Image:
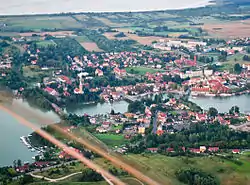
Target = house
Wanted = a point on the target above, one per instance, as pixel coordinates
(235, 151)
(201, 117)
(120, 72)
(195, 150)
(41, 164)
(98, 72)
(51, 91)
(65, 79)
(170, 150)
(203, 149)
(152, 150)
(213, 149)
(141, 130)
(23, 169)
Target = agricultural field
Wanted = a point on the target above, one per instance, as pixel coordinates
(88, 44)
(227, 29)
(141, 70)
(227, 171)
(37, 23)
(91, 46)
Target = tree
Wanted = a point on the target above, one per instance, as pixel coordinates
(19, 162)
(237, 68)
(212, 112)
(234, 110)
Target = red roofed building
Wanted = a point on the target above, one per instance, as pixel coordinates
(235, 151)
(23, 169)
(98, 72)
(213, 149)
(153, 150)
(51, 91)
(120, 72)
(170, 150)
(201, 117)
(65, 79)
(195, 150)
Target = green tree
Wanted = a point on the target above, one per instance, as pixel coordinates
(237, 68)
(212, 112)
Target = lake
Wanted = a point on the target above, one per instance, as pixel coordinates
(92, 109)
(57, 6)
(225, 103)
(11, 130)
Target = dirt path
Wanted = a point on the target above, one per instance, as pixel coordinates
(55, 180)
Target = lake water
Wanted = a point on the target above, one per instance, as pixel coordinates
(92, 109)
(224, 104)
(11, 130)
(57, 6)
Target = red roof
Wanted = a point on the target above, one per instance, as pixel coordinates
(194, 150)
(213, 149)
(170, 149)
(49, 90)
(152, 149)
(236, 151)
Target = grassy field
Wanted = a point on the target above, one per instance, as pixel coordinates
(142, 70)
(33, 71)
(111, 139)
(45, 43)
(226, 171)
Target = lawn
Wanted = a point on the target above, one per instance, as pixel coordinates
(111, 139)
(227, 172)
(142, 70)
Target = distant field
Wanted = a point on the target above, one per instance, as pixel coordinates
(55, 33)
(233, 29)
(141, 70)
(91, 46)
(39, 22)
(142, 40)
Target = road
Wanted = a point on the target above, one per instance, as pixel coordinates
(54, 180)
(155, 123)
(50, 167)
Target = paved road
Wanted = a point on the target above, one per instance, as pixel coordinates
(155, 123)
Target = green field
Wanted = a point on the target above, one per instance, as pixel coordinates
(37, 23)
(111, 139)
(226, 171)
(45, 43)
(142, 70)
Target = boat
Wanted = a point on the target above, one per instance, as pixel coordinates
(33, 149)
